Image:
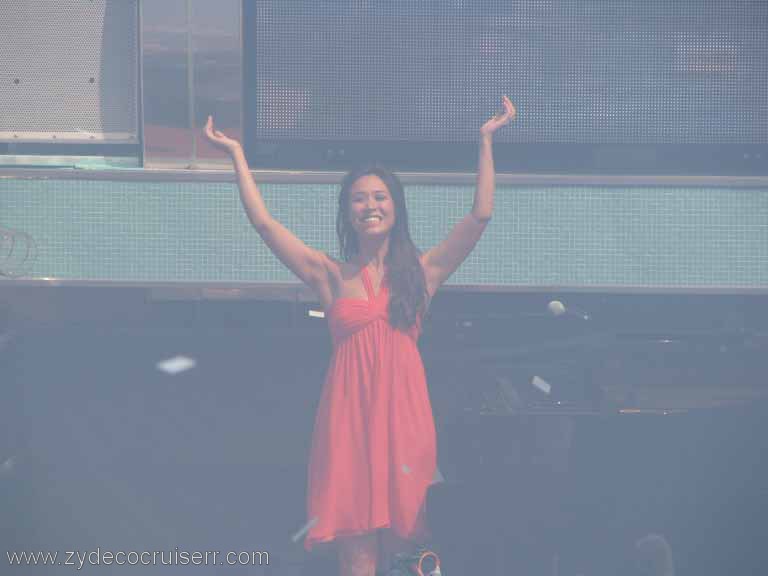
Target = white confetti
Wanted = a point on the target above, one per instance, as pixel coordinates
(7, 466)
(176, 364)
(304, 529)
(316, 314)
(5, 337)
(541, 384)
(556, 308)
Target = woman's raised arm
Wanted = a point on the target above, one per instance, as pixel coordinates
(312, 267)
(443, 260)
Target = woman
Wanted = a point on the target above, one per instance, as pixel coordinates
(373, 451)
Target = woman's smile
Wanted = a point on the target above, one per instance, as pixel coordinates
(371, 204)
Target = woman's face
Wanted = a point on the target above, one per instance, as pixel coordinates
(371, 208)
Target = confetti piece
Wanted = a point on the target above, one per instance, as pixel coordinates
(176, 364)
(304, 529)
(5, 337)
(556, 308)
(541, 384)
(7, 466)
(406, 469)
(316, 314)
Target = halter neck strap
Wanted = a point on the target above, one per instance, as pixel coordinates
(368, 284)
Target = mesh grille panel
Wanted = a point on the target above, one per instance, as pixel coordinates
(582, 71)
(69, 70)
(552, 236)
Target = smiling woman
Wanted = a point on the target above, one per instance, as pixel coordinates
(373, 219)
(371, 202)
(373, 452)
(371, 207)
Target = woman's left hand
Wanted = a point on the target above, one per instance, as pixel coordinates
(500, 119)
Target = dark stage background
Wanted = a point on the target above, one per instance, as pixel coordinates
(107, 451)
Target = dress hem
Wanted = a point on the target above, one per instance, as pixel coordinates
(418, 534)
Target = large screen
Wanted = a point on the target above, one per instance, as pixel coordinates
(652, 86)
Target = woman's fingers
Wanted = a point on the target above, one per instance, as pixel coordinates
(211, 132)
(507, 110)
(209, 128)
(507, 113)
(501, 118)
(509, 107)
(215, 136)
(218, 138)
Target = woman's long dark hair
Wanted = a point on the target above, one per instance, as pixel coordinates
(404, 274)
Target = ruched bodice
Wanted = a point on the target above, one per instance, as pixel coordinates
(350, 315)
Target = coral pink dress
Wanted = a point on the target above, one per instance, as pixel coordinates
(373, 450)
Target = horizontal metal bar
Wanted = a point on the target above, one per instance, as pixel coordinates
(31, 163)
(297, 291)
(66, 137)
(424, 178)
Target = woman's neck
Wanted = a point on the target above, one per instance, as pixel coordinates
(373, 255)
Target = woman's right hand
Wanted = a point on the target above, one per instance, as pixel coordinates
(219, 139)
